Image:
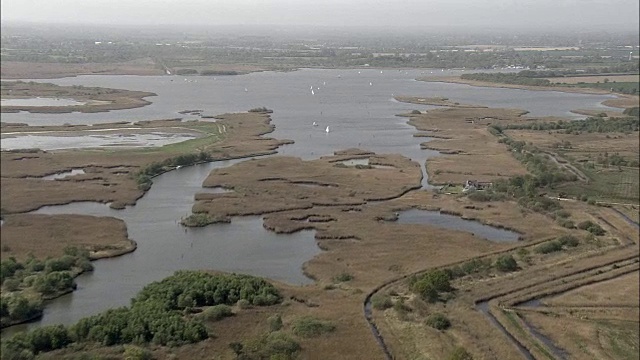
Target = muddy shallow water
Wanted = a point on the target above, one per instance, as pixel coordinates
(48, 142)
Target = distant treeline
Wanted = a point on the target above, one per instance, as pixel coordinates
(507, 78)
(591, 125)
(205, 72)
(538, 77)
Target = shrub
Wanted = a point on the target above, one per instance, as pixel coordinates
(343, 277)
(48, 338)
(429, 285)
(243, 304)
(506, 263)
(568, 241)
(54, 282)
(275, 322)
(470, 267)
(566, 223)
(273, 346)
(563, 214)
(548, 247)
(591, 227)
(11, 284)
(308, 326)
(63, 263)
(381, 301)
(217, 312)
(415, 112)
(438, 321)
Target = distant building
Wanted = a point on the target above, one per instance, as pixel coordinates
(473, 185)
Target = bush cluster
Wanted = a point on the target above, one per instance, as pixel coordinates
(472, 266)
(44, 278)
(430, 285)
(274, 345)
(308, 326)
(438, 321)
(548, 247)
(591, 227)
(506, 263)
(143, 178)
(156, 314)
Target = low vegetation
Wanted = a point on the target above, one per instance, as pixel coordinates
(381, 301)
(506, 78)
(273, 345)
(343, 277)
(594, 124)
(308, 326)
(217, 312)
(145, 175)
(438, 321)
(591, 227)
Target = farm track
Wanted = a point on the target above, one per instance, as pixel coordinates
(565, 165)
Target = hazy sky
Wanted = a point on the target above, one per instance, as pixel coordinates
(475, 13)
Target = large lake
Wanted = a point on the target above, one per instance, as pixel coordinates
(358, 106)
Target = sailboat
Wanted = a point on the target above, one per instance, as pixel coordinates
(315, 123)
(312, 93)
(245, 90)
(370, 84)
(327, 129)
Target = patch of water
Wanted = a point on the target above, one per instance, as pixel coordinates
(63, 175)
(355, 162)
(46, 142)
(164, 246)
(40, 101)
(438, 219)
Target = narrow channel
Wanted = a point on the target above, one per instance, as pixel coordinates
(164, 246)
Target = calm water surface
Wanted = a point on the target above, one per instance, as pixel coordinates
(358, 106)
(446, 221)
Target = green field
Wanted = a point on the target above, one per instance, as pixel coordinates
(620, 87)
(613, 184)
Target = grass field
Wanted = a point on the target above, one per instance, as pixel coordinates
(607, 184)
(621, 87)
(612, 183)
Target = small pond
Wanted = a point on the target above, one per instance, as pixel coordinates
(438, 219)
(63, 175)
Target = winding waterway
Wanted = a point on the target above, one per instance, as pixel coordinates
(358, 106)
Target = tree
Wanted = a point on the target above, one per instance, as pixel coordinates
(506, 263)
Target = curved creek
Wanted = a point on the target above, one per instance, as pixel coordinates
(244, 246)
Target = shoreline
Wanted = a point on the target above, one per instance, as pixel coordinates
(622, 101)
